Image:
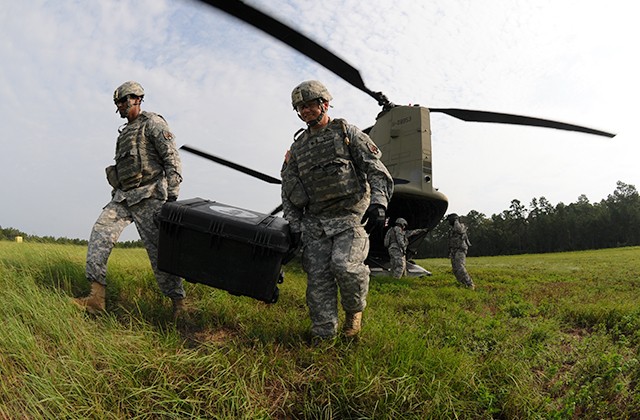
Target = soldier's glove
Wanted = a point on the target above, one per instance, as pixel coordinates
(374, 218)
(171, 198)
(295, 241)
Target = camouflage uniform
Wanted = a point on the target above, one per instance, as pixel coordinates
(329, 179)
(146, 173)
(458, 246)
(396, 240)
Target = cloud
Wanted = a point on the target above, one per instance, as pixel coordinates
(224, 87)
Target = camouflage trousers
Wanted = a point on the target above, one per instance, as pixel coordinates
(398, 262)
(458, 264)
(106, 231)
(331, 263)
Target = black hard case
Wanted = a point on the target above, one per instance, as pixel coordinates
(225, 247)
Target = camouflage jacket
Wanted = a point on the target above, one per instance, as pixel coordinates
(458, 238)
(399, 238)
(147, 161)
(330, 177)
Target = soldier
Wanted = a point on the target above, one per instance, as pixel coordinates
(332, 183)
(458, 245)
(147, 172)
(396, 240)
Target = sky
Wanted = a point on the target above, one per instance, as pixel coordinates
(224, 87)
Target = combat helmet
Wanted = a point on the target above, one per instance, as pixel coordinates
(308, 91)
(401, 222)
(452, 218)
(128, 88)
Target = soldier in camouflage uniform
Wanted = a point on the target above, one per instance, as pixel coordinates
(458, 245)
(332, 182)
(396, 240)
(147, 172)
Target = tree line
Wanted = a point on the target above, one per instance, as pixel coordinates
(539, 228)
(542, 227)
(10, 234)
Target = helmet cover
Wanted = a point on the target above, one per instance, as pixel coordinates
(128, 88)
(452, 217)
(308, 91)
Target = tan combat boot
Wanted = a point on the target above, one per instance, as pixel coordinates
(95, 302)
(352, 324)
(179, 307)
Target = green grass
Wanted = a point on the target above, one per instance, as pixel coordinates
(543, 336)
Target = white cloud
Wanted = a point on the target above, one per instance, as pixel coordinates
(224, 87)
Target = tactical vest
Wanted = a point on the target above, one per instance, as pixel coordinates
(133, 153)
(326, 167)
(387, 238)
(399, 239)
(458, 240)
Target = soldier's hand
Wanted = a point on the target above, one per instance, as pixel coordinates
(296, 239)
(374, 218)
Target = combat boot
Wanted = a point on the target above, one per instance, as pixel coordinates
(95, 302)
(352, 324)
(179, 307)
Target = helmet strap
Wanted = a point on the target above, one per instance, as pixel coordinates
(317, 120)
(323, 111)
(131, 103)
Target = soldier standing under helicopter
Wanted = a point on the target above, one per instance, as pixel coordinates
(147, 172)
(396, 240)
(458, 245)
(332, 182)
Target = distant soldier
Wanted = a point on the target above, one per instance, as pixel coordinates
(458, 245)
(332, 182)
(147, 172)
(396, 240)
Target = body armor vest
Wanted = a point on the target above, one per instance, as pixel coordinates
(326, 168)
(395, 236)
(133, 154)
(458, 238)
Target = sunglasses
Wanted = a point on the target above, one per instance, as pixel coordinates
(124, 99)
(311, 105)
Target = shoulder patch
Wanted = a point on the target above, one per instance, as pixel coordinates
(373, 148)
(167, 135)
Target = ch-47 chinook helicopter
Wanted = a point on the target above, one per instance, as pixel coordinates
(403, 133)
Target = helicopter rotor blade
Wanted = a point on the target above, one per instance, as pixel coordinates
(237, 167)
(497, 117)
(276, 210)
(350, 74)
(243, 169)
(252, 172)
(297, 41)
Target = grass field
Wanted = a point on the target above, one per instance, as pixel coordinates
(552, 336)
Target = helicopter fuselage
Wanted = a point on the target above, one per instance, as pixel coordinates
(403, 134)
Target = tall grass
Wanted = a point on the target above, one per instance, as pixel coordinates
(543, 336)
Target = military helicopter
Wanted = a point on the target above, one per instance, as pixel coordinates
(402, 132)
